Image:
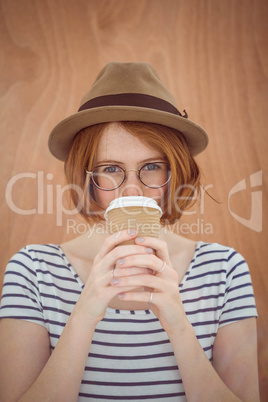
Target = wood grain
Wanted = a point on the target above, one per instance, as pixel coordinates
(212, 54)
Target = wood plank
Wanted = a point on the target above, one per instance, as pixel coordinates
(212, 54)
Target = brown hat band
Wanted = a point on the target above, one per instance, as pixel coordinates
(132, 99)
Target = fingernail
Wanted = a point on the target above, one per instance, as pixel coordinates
(121, 295)
(121, 261)
(131, 232)
(149, 250)
(115, 281)
(140, 239)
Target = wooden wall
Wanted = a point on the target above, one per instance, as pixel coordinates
(212, 54)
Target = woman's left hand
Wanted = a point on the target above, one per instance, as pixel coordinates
(163, 297)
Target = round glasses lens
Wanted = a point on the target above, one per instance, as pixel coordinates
(108, 177)
(155, 174)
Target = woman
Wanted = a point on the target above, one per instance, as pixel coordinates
(164, 319)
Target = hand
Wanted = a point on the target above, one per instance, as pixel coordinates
(166, 302)
(98, 290)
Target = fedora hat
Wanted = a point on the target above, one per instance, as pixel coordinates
(126, 92)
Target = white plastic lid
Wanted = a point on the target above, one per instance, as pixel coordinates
(133, 201)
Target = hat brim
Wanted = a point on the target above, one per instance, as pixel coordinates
(61, 137)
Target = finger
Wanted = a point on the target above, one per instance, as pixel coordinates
(114, 240)
(137, 281)
(110, 277)
(148, 261)
(112, 291)
(108, 261)
(100, 289)
(158, 245)
(129, 271)
(118, 254)
(144, 297)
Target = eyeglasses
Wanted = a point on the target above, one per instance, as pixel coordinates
(108, 177)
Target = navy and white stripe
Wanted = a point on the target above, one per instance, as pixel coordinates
(130, 357)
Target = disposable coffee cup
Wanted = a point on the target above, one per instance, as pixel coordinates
(139, 213)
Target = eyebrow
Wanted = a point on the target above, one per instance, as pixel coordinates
(115, 162)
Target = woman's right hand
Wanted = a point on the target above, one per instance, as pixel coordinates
(98, 291)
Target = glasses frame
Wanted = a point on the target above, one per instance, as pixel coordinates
(125, 176)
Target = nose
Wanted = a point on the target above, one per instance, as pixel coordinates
(132, 185)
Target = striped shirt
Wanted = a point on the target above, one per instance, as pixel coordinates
(130, 357)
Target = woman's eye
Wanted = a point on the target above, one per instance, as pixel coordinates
(111, 169)
(151, 166)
